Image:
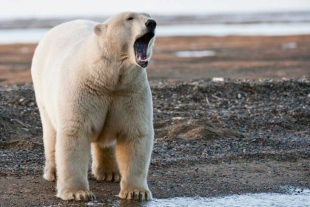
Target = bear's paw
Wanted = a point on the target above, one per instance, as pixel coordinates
(107, 175)
(139, 195)
(78, 195)
(49, 174)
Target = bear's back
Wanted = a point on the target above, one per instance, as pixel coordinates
(62, 38)
(53, 49)
(68, 34)
(57, 44)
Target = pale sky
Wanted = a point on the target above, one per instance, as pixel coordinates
(65, 8)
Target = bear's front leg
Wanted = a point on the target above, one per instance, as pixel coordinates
(133, 157)
(72, 159)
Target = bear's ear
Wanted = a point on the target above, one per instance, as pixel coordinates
(99, 28)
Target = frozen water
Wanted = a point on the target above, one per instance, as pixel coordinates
(294, 197)
(235, 29)
(249, 200)
(35, 35)
(21, 35)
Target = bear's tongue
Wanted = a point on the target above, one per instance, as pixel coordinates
(141, 49)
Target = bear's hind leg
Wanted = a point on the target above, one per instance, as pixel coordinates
(104, 166)
(133, 158)
(49, 139)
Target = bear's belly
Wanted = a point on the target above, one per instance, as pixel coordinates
(106, 137)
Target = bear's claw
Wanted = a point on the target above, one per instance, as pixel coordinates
(78, 195)
(107, 176)
(136, 195)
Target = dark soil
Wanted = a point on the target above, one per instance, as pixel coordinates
(212, 139)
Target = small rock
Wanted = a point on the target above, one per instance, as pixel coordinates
(177, 118)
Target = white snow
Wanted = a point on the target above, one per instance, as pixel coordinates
(202, 53)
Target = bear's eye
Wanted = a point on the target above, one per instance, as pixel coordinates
(129, 18)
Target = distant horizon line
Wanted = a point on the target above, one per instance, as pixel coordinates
(217, 13)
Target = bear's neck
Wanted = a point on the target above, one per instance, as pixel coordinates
(109, 74)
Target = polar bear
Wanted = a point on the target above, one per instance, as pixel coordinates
(94, 98)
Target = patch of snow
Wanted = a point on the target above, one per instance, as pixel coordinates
(288, 46)
(217, 79)
(203, 53)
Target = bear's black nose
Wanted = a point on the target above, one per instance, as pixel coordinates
(150, 24)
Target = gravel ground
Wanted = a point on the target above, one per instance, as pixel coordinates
(212, 139)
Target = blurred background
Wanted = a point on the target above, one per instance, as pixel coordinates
(195, 39)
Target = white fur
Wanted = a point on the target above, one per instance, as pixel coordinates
(90, 91)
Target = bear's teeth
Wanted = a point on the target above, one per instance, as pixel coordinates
(148, 59)
(143, 60)
(141, 56)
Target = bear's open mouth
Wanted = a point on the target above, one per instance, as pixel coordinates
(140, 48)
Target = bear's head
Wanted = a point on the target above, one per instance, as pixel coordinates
(128, 36)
